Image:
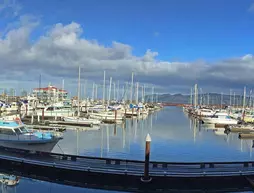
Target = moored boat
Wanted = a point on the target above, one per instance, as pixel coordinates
(14, 134)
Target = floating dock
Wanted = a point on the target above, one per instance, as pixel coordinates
(246, 135)
(68, 123)
(127, 175)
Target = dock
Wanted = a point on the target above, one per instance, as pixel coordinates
(68, 123)
(120, 174)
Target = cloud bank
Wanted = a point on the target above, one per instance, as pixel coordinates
(58, 53)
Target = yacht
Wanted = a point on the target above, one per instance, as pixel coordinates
(205, 112)
(220, 119)
(82, 120)
(52, 111)
(14, 134)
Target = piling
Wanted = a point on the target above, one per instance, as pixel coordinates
(32, 119)
(26, 110)
(115, 115)
(115, 130)
(146, 178)
(42, 115)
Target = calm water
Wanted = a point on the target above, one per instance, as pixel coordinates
(175, 137)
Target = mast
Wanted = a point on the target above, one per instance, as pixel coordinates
(191, 97)
(250, 98)
(221, 99)
(196, 95)
(208, 99)
(114, 90)
(131, 87)
(234, 100)
(144, 93)
(152, 93)
(244, 97)
(39, 87)
(230, 101)
(95, 95)
(104, 85)
(110, 81)
(85, 90)
(137, 93)
(63, 90)
(118, 88)
(93, 92)
(78, 89)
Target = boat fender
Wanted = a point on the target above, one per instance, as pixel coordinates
(91, 125)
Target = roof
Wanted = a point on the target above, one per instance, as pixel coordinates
(50, 88)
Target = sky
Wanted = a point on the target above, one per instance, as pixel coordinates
(168, 44)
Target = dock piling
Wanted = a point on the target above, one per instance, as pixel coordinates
(146, 177)
(115, 115)
(42, 115)
(32, 119)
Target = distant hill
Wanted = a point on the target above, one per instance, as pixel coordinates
(214, 98)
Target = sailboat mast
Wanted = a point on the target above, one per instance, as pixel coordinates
(137, 92)
(63, 90)
(104, 85)
(131, 87)
(110, 82)
(78, 89)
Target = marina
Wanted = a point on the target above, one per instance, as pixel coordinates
(114, 145)
(126, 96)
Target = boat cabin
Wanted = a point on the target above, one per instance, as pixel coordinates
(12, 128)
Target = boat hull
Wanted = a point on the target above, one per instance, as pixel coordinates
(46, 147)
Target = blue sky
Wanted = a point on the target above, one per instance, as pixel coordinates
(186, 30)
(165, 41)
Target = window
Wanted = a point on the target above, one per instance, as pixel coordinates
(23, 130)
(6, 131)
(18, 131)
(50, 108)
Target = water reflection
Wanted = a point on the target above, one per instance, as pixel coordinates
(175, 137)
(37, 186)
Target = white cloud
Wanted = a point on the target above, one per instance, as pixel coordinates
(60, 51)
(251, 8)
(10, 8)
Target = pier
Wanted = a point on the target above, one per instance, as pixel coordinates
(123, 174)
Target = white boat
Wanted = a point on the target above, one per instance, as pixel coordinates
(9, 180)
(13, 107)
(82, 120)
(14, 134)
(204, 112)
(221, 119)
(109, 115)
(53, 111)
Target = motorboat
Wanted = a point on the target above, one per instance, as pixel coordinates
(220, 119)
(53, 111)
(15, 134)
(204, 112)
(82, 120)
